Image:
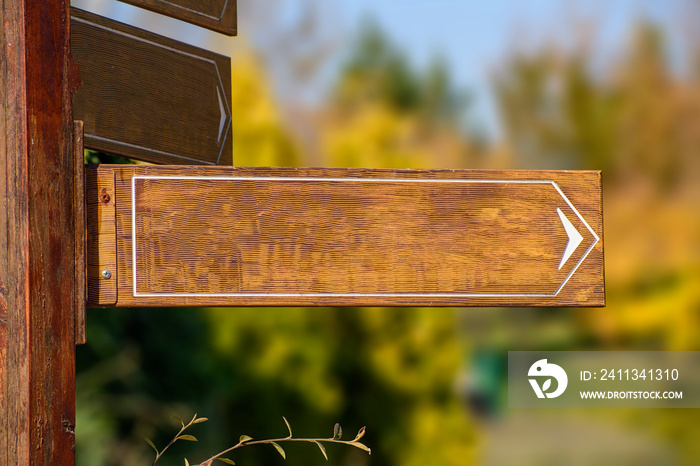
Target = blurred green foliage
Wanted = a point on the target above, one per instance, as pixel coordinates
(247, 367)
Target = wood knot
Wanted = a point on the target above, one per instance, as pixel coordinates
(104, 196)
(68, 426)
(3, 302)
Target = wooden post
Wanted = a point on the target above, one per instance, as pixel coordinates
(37, 238)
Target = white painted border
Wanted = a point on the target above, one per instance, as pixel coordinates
(199, 13)
(348, 295)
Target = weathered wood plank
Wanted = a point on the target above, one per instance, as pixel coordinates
(38, 397)
(148, 97)
(101, 239)
(287, 237)
(217, 15)
(80, 235)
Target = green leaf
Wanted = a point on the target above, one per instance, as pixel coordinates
(244, 439)
(193, 418)
(148, 441)
(288, 427)
(200, 420)
(322, 448)
(279, 449)
(361, 446)
(178, 420)
(226, 460)
(337, 432)
(190, 438)
(360, 434)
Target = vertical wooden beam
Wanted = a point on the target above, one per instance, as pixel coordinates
(80, 235)
(37, 238)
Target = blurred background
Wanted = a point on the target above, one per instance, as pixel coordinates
(611, 86)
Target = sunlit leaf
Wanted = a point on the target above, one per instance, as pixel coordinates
(193, 418)
(361, 446)
(187, 463)
(337, 432)
(148, 441)
(226, 460)
(189, 438)
(279, 449)
(245, 438)
(322, 448)
(288, 427)
(200, 420)
(360, 434)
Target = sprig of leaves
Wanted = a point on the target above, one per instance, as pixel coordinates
(246, 440)
(178, 436)
(336, 438)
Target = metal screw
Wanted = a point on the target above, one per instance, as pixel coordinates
(106, 274)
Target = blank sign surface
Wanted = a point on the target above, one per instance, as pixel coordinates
(346, 237)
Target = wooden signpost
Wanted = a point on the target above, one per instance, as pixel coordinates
(206, 236)
(211, 235)
(217, 15)
(148, 97)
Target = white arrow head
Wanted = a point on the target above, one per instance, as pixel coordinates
(575, 238)
(222, 111)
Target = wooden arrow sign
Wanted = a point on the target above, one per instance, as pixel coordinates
(217, 15)
(211, 236)
(148, 97)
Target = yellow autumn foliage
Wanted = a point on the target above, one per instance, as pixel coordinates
(259, 135)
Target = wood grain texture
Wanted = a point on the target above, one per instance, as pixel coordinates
(217, 15)
(148, 97)
(101, 239)
(38, 367)
(285, 237)
(80, 235)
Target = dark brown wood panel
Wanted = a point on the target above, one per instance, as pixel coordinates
(37, 397)
(286, 237)
(217, 15)
(148, 97)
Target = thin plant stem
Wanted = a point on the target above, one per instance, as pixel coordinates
(246, 440)
(353, 443)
